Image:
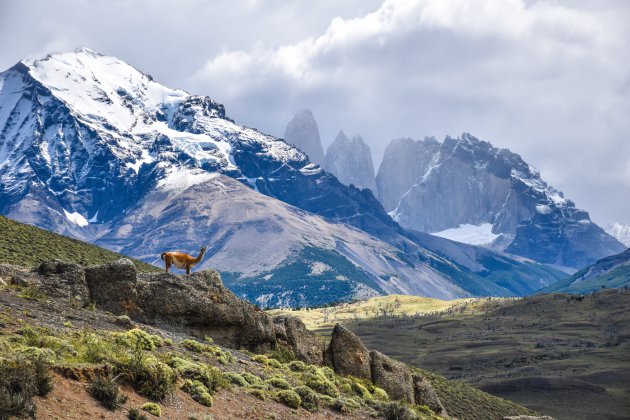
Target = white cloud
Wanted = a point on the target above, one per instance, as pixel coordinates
(547, 79)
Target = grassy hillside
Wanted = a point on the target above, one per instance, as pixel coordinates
(71, 355)
(27, 245)
(563, 355)
(608, 273)
(324, 319)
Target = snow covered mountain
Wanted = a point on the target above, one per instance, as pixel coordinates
(350, 160)
(93, 148)
(621, 231)
(466, 190)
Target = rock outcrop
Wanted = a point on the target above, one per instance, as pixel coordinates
(302, 132)
(393, 376)
(350, 160)
(198, 304)
(348, 355)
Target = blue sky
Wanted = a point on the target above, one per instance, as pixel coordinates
(548, 79)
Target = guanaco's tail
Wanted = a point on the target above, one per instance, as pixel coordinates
(162, 256)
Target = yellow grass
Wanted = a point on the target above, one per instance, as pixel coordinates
(323, 319)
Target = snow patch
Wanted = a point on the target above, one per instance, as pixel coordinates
(76, 218)
(470, 234)
(180, 179)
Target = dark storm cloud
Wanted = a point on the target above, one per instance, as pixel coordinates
(547, 79)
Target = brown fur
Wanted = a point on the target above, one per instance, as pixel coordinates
(181, 260)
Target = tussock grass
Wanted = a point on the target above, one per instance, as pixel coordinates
(27, 245)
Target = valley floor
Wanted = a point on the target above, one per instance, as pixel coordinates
(564, 355)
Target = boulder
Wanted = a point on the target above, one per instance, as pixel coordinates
(393, 376)
(63, 279)
(424, 394)
(292, 332)
(348, 355)
(113, 286)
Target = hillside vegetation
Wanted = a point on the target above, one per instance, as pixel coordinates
(27, 245)
(98, 359)
(324, 319)
(564, 355)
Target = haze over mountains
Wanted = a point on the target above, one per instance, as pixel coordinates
(466, 190)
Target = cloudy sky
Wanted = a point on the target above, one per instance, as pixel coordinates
(548, 79)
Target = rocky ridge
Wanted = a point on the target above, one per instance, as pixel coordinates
(465, 182)
(350, 160)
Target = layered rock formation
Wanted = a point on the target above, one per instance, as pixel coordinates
(350, 160)
(302, 132)
(465, 182)
(199, 304)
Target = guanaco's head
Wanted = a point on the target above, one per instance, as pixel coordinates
(203, 249)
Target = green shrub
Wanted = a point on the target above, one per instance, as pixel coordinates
(282, 354)
(94, 349)
(297, 366)
(310, 399)
(380, 394)
(278, 382)
(398, 410)
(321, 385)
(152, 408)
(17, 388)
(106, 390)
(289, 398)
(361, 390)
(235, 378)
(345, 405)
(275, 364)
(261, 358)
(196, 346)
(139, 339)
(135, 414)
(258, 393)
(346, 388)
(198, 392)
(251, 378)
(149, 376)
(210, 376)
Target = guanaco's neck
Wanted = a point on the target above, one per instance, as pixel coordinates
(200, 256)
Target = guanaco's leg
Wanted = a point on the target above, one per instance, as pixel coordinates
(187, 269)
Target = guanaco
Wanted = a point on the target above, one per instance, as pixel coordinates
(181, 260)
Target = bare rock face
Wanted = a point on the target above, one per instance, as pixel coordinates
(292, 332)
(430, 187)
(113, 286)
(424, 394)
(197, 304)
(348, 354)
(350, 160)
(393, 376)
(62, 279)
(302, 132)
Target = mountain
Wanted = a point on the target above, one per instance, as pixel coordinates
(350, 160)
(94, 149)
(302, 132)
(610, 272)
(620, 231)
(467, 190)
